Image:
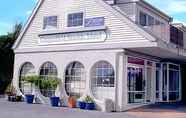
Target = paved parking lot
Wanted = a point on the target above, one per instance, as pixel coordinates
(23, 110)
(177, 110)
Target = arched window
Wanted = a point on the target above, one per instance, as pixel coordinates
(47, 71)
(75, 79)
(27, 69)
(102, 80)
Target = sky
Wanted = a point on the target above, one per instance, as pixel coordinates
(13, 11)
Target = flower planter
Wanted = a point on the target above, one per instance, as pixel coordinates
(71, 102)
(90, 106)
(54, 101)
(9, 98)
(29, 99)
(81, 104)
(12, 98)
(18, 98)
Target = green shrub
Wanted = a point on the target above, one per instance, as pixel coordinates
(49, 83)
(34, 79)
(88, 99)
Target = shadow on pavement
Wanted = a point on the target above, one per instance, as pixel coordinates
(162, 107)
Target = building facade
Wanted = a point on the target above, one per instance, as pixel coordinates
(123, 51)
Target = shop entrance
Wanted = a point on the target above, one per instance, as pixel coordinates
(150, 82)
(136, 80)
(171, 89)
(136, 87)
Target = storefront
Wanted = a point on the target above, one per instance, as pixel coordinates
(150, 82)
(95, 49)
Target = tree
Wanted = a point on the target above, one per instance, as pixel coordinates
(7, 56)
(16, 31)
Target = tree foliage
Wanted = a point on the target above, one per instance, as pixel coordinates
(7, 56)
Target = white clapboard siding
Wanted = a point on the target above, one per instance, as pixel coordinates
(118, 30)
(129, 9)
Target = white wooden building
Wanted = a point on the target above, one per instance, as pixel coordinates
(125, 51)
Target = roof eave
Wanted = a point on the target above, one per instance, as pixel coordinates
(169, 18)
(27, 24)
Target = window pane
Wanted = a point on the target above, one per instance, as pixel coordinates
(74, 79)
(97, 21)
(136, 85)
(102, 80)
(150, 20)
(173, 85)
(48, 70)
(26, 70)
(75, 19)
(176, 36)
(143, 19)
(50, 22)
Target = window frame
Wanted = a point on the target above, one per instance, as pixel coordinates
(151, 20)
(95, 74)
(47, 24)
(72, 77)
(106, 90)
(47, 75)
(22, 73)
(72, 23)
(144, 23)
(49, 69)
(176, 36)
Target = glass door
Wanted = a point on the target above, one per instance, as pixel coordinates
(136, 85)
(174, 83)
(171, 83)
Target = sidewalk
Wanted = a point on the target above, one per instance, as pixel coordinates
(160, 111)
(23, 110)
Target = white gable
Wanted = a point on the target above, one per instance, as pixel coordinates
(119, 27)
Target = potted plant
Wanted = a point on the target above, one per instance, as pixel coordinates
(90, 105)
(11, 93)
(54, 82)
(81, 104)
(34, 80)
(72, 102)
(18, 98)
(50, 84)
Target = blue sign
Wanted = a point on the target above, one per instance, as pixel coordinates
(92, 22)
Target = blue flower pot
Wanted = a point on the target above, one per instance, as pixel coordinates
(90, 106)
(29, 98)
(81, 104)
(54, 101)
(12, 98)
